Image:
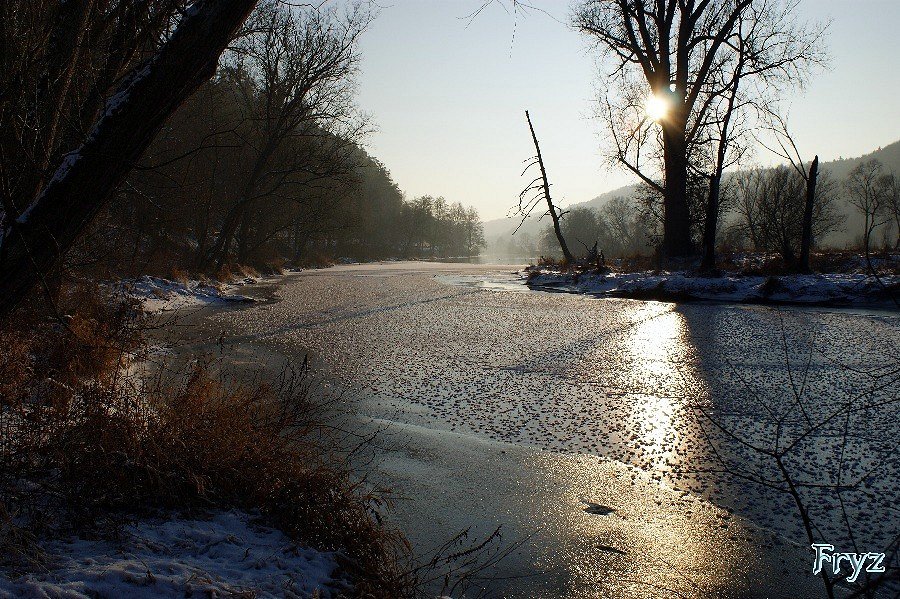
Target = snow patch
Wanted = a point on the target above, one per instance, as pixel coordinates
(791, 289)
(162, 295)
(226, 555)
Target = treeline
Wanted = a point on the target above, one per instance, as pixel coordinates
(762, 210)
(263, 164)
(432, 227)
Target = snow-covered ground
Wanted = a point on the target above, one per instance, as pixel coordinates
(835, 289)
(162, 295)
(223, 556)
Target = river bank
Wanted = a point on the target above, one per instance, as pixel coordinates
(829, 289)
(167, 473)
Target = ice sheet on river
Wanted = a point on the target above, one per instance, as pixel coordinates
(623, 379)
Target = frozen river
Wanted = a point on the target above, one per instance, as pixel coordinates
(497, 405)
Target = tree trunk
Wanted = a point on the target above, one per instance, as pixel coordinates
(295, 240)
(89, 176)
(222, 247)
(676, 217)
(806, 238)
(710, 224)
(567, 255)
(201, 228)
(244, 238)
(787, 252)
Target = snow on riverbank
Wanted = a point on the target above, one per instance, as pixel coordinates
(163, 295)
(227, 555)
(833, 289)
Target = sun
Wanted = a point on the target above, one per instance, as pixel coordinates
(656, 107)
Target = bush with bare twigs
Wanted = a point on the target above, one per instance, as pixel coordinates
(89, 443)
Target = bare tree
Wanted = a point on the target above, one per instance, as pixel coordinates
(626, 227)
(894, 205)
(88, 176)
(726, 109)
(59, 62)
(772, 203)
(539, 190)
(869, 190)
(788, 150)
(296, 71)
(672, 53)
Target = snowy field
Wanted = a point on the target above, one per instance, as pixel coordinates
(226, 555)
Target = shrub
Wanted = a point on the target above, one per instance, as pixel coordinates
(90, 443)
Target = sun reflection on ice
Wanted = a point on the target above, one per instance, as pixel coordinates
(660, 349)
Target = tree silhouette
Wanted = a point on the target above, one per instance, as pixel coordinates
(680, 52)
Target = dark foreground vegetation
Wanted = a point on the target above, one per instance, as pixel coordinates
(95, 437)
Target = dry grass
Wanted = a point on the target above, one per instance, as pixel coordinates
(43, 357)
(88, 445)
(316, 260)
(551, 262)
(180, 275)
(635, 263)
(632, 263)
(231, 272)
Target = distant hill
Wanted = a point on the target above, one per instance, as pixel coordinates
(889, 155)
(838, 170)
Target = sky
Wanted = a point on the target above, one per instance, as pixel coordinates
(448, 94)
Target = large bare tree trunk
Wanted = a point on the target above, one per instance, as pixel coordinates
(89, 176)
(567, 255)
(806, 238)
(676, 219)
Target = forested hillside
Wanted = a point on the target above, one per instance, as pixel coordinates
(264, 164)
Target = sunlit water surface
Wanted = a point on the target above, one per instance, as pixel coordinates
(685, 394)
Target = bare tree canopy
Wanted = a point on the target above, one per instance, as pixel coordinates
(538, 191)
(872, 191)
(672, 63)
(295, 71)
(771, 206)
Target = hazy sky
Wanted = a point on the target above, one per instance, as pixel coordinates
(448, 96)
